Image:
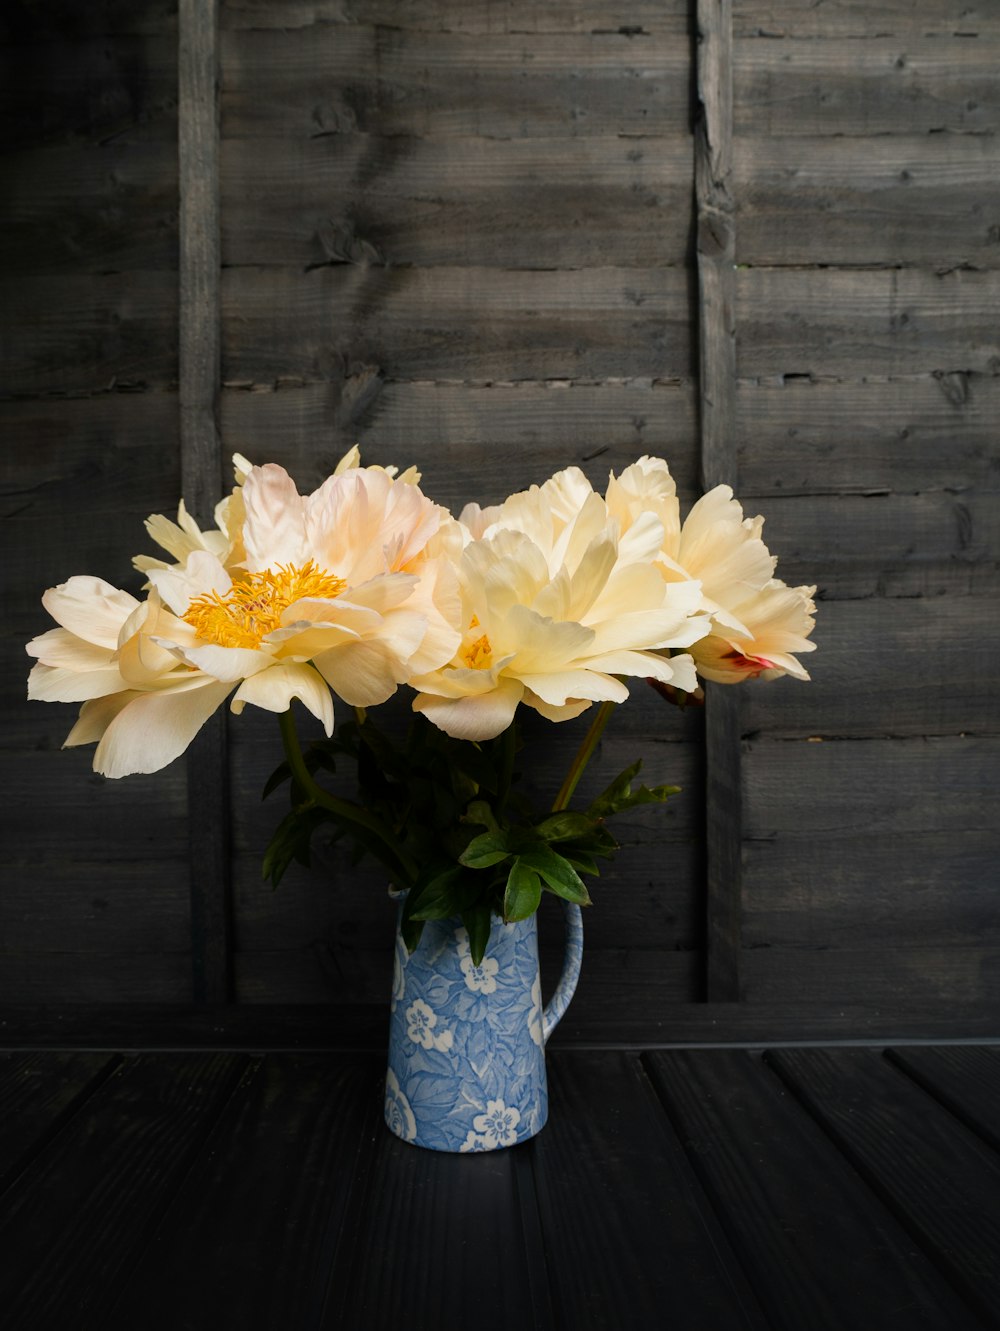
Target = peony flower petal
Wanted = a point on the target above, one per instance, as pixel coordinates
(178, 585)
(59, 647)
(155, 728)
(275, 688)
(62, 684)
(274, 530)
(95, 717)
(559, 686)
(91, 608)
(479, 717)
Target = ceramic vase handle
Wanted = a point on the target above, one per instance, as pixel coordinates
(566, 987)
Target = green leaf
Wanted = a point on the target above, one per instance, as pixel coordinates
(581, 861)
(291, 841)
(620, 795)
(478, 920)
(565, 826)
(557, 873)
(278, 777)
(480, 814)
(523, 893)
(436, 900)
(410, 931)
(486, 850)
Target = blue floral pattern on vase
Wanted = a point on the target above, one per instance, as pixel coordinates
(466, 1045)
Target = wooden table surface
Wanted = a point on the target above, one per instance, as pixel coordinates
(699, 1189)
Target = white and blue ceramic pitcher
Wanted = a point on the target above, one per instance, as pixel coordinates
(467, 1042)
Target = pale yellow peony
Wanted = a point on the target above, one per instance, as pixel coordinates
(348, 589)
(556, 604)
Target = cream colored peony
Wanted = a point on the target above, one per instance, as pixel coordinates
(556, 604)
(757, 622)
(348, 589)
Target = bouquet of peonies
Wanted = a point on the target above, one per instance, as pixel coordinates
(550, 600)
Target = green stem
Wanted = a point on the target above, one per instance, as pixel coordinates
(397, 859)
(583, 755)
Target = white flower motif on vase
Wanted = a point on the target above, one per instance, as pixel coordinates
(480, 979)
(535, 1014)
(398, 1114)
(498, 1125)
(474, 1141)
(420, 1023)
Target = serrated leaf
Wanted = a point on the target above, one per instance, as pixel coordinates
(557, 873)
(478, 920)
(484, 851)
(522, 894)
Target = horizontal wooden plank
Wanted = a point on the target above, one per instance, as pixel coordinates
(511, 203)
(858, 322)
(75, 1221)
(89, 88)
(884, 85)
(468, 441)
(134, 1026)
(872, 894)
(289, 1138)
(900, 200)
(24, 20)
(74, 977)
(819, 1249)
(38, 1093)
(966, 1081)
(887, 545)
(860, 18)
(655, 1253)
(80, 332)
(384, 80)
(454, 323)
(885, 978)
(93, 208)
(637, 18)
(924, 432)
(798, 790)
(933, 1174)
(886, 643)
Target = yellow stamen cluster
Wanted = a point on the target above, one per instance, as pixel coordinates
(253, 608)
(478, 655)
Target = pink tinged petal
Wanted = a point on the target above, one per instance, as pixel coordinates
(91, 608)
(155, 728)
(199, 576)
(59, 647)
(274, 689)
(61, 684)
(559, 686)
(482, 717)
(274, 529)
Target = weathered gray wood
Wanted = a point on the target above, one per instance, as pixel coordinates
(90, 89)
(819, 1250)
(965, 1081)
(886, 544)
(201, 466)
(456, 323)
(638, 18)
(858, 18)
(508, 203)
(877, 640)
(76, 978)
(883, 85)
(80, 333)
(90, 208)
(825, 435)
(717, 403)
(381, 80)
(861, 322)
(898, 201)
(469, 440)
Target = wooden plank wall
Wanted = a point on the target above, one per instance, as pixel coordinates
(866, 160)
(758, 239)
(94, 906)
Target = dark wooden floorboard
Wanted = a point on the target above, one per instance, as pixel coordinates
(965, 1079)
(254, 1225)
(73, 1223)
(820, 1249)
(631, 1241)
(432, 1239)
(38, 1094)
(939, 1179)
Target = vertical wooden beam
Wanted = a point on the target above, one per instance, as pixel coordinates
(201, 466)
(717, 404)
